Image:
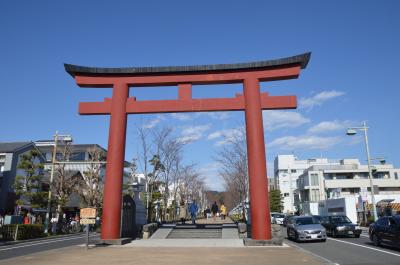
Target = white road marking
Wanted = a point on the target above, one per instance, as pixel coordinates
(313, 254)
(380, 250)
(41, 243)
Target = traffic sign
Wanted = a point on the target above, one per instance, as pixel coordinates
(88, 213)
(87, 221)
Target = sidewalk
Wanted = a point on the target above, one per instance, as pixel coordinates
(167, 256)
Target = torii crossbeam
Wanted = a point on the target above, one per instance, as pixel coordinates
(252, 102)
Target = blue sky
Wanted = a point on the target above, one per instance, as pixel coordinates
(352, 75)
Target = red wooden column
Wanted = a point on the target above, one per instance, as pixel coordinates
(111, 221)
(259, 202)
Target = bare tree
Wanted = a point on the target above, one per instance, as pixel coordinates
(191, 184)
(91, 188)
(65, 181)
(233, 161)
(169, 149)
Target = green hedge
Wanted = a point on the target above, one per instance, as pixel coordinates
(24, 231)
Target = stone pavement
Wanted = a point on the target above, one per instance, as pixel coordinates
(167, 256)
(172, 252)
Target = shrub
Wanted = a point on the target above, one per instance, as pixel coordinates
(24, 231)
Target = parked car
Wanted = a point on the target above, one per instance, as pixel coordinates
(386, 230)
(340, 225)
(286, 219)
(277, 218)
(317, 217)
(305, 228)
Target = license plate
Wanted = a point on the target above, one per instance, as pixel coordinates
(350, 232)
(314, 236)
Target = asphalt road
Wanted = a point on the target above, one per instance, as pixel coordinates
(350, 251)
(30, 247)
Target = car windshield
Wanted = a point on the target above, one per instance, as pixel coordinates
(279, 216)
(340, 220)
(306, 221)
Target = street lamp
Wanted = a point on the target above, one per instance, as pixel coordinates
(352, 131)
(66, 139)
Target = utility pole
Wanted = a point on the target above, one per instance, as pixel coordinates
(47, 222)
(364, 128)
(66, 138)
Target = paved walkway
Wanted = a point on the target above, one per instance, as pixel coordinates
(172, 252)
(168, 256)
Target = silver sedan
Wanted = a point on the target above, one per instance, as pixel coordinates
(305, 228)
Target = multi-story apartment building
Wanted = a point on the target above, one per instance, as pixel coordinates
(348, 177)
(78, 161)
(10, 155)
(287, 169)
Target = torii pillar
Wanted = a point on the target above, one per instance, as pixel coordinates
(252, 102)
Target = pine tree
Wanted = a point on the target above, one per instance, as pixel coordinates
(27, 185)
(275, 201)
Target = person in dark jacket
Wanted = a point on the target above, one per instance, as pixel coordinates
(214, 210)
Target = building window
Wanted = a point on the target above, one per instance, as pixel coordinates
(328, 176)
(78, 156)
(293, 170)
(314, 195)
(396, 176)
(314, 180)
(379, 175)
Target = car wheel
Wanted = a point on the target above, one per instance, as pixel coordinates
(288, 234)
(323, 240)
(296, 237)
(357, 236)
(376, 240)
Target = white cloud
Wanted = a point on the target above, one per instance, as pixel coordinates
(218, 115)
(214, 135)
(153, 123)
(211, 176)
(181, 116)
(329, 126)
(319, 99)
(228, 135)
(193, 133)
(279, 119)
(305, 142)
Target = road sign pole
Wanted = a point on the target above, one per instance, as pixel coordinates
(87, 238)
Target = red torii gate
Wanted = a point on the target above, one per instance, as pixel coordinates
(252, 102)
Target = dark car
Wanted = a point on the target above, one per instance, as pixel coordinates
(386, 230)
(286, 218)
(340, 225)
(317, 217)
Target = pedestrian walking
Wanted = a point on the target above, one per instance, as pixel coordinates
(182, 212)
(193, 211)
(26, 220)
(214, 210)
(39, 220)
(1, 220)
(33, 219)
(54, 222)
(223, 211)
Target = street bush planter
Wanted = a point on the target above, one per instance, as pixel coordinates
(22, 231)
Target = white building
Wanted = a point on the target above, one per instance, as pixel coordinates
(287, 169)
(347, 178)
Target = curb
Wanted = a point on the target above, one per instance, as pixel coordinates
(8, 243)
